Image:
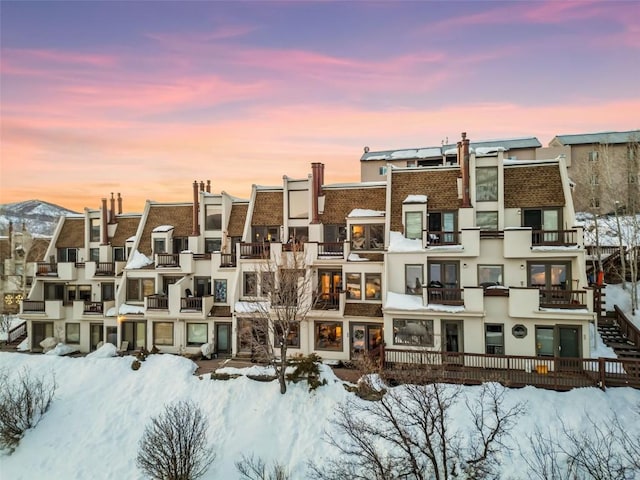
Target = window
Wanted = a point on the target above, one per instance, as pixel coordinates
(382, 170)
(335, 233)
(442, 228)
(550, 276)
(487, 221)
(250, 284)
(414, 279)
(593, 180)
(490, 275)
(202, 286)
(494, 339)
(54, 291)
(67, 255)
(180, 244)
(593, 156)
(196, 334)
(413, 332)
(354, 286)
(266, 233)
(298, 234)
(163, 333)
(138, 288)
(78, 292)
(94, 254)
(413, 225)
(107, 290)
(213, 218)
(267, 283)
(298, 204)
(94, 233)
(159, 245)
(118, 254)
(487, 184)
(220, 291)
(72, 333)
(595, 202)
(544, 341)
(443, 274)
(373, 283)
(328, 336)
(212, 245)
(367, 237)
(293, 338)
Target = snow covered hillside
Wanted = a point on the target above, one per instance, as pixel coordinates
(102, 406)
(40, 217)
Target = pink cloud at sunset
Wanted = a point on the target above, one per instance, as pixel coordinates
(243, 93)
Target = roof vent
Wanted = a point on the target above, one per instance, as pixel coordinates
(366, 149)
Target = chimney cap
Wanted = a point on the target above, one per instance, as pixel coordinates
(464, 135)
(366, 149)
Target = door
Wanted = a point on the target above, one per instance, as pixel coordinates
(365, 338)
(135, 334)
(452, 341)
(40, 331)
(569, 347)
(96, 333)
(223, 338)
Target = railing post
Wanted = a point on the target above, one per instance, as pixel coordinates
(382, 353)
(602, 370)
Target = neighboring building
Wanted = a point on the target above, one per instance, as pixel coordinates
(605, 167)
(478, 253)
(18, 251)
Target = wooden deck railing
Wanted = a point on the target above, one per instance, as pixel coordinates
(191, 304)
(326, 301)
(33, 306)
(106, 269)
(555, 373)
(93, 308)
(227, 260)
(17, 332)
(47, 268)
(157, 302)
(628, 329)
(330, 249)
(554, 237)
(436, 238)
(254, 250)
(445, 296)
(168, 260)
(558, 298)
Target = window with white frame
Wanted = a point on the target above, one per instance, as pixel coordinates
(413, 332)
(298, 204)
(494, 339)
(163, 333)
(487, 184)
(413, 225)
(196, 334)
(354, 286)
(367, 236)
(414, 277)
(72, 333)
(487, 221)
(373, 286)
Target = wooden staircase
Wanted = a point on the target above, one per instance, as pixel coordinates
(619, 333)
(16, 335)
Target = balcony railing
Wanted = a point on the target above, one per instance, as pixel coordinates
(201, 256)
(330, 249)
(47, 268)
(33, 306)
(554, 237)
(254, 250)
(445, 296)
(93, 308)
(157, 302)
(227, 260)
(326, 301)
(193, 304)
(105, 269)
(168, 260)
(558, 298)
(435, 238)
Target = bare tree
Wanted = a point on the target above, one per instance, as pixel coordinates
(5, 325)
(254, 468)
(543, 457)
(281, 303)
(409, 434)
(24, 399)
(174, 444)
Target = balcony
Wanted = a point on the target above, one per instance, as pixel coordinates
(167, 260)
(523, 301)
(51, 309)
(105, 269)
(227, 260)
(157, 302)
(561, 238)
(445, 296)
(255, 250)
(326, 301)
(49, 269)
(33, 306)
(331, 249)
(191, 304)
(566, 299)
(93, 308)
(436, 239)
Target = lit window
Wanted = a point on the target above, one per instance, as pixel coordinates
(354, 286)
(373, 286)
(328, 336)
(367, 237)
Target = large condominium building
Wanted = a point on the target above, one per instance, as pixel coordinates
(476, 253)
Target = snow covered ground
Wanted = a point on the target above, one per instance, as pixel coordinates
(101, 407)
(616, 295)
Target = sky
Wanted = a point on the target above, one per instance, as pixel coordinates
(143, 98)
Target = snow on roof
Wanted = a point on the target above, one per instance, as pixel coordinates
(131, 239)
(138, 260)
(415, 199)
(250, 307)
(451, 151)
(401, 301)
(399, 243)
(486, 151)
(552, 248)
(354, 257)
(364, 212)
(163, 228)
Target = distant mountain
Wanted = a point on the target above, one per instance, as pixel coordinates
(40, 217)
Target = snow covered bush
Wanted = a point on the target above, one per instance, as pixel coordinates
(24, 398)
(174, 444)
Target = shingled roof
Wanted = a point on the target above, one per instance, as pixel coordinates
(267, 209)
(72, 233)
(605, 138)
(339, 202)
(237, 218)
(179, 216)
(533, 186)
(127, 227)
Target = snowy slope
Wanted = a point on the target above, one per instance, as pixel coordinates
(101, 408)
(40, 217)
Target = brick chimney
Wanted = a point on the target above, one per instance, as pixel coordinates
(317, 180)
(196, 228)
(103, 230)
(463, 159)
(112, 210)
(119, 204)
(208, 186)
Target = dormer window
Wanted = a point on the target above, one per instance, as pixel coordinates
(367, 236)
